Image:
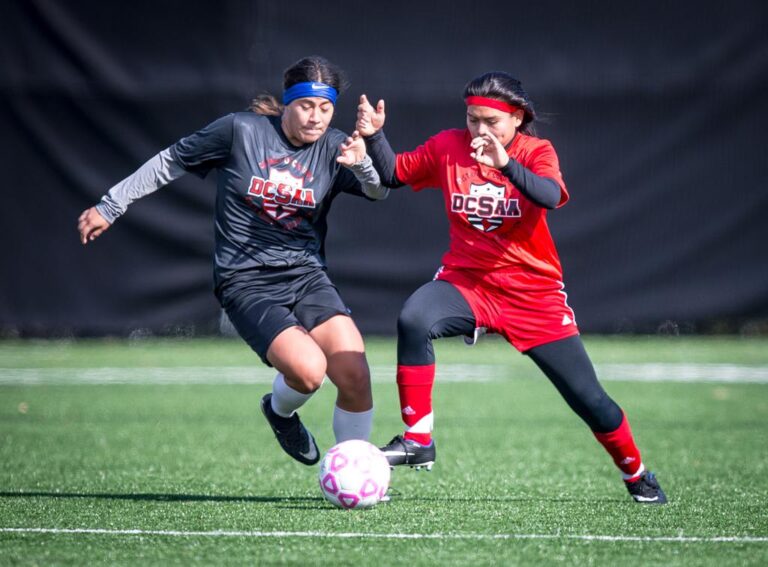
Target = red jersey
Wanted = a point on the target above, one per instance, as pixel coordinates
(493, 226)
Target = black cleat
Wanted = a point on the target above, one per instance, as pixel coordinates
(402, 451)
(646, 489)
(291, 434)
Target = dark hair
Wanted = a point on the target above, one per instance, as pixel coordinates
(504, 87)
(309, 69)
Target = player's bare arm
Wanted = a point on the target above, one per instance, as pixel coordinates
(91, 225)
(369, 119)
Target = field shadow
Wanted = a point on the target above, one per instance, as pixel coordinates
(160, 497)
(300, 502)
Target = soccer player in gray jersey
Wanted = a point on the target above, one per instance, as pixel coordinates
(278, 168)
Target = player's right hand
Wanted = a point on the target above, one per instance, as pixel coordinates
(90, 225)
(488, 150)
(352, 150)
(369, 120)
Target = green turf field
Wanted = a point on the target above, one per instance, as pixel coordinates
(153, 452)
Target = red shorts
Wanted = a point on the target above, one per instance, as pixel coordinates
(527, 309)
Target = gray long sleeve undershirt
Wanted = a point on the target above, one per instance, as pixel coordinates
(161, 169)
(155, 173)
(369, 178)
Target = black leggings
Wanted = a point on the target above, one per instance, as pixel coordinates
(437, 309)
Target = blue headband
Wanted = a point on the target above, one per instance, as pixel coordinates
(304, 90)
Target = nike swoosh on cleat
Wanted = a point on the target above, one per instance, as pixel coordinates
(311, 454)
(394, 453)
(646, 499)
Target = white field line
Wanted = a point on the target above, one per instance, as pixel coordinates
(349, 535)
(647, 372)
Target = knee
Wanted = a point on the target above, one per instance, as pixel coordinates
(306, 375)
(353, 377)
(359, 381)
(354, 388)
(603, 413)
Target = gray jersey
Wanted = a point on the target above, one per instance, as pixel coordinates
(273, 198)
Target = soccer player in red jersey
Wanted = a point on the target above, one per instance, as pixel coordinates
(501, 272)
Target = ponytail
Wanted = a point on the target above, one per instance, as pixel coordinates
(266, 104)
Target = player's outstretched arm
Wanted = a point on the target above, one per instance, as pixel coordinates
(91, 225)
(158, 171)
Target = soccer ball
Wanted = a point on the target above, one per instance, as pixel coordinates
(354, 474)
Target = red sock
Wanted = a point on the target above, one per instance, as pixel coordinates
(621, 446)
(414, 384)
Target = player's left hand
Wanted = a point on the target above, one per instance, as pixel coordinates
(487, 150)
(352, 150)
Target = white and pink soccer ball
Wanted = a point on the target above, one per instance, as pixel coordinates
(354, 474)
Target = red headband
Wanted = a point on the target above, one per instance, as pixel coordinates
(492, 103)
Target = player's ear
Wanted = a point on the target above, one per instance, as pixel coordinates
(517, 117)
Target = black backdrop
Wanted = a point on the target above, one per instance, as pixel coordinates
(658, 112)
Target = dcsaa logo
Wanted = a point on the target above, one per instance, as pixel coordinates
(485, 206)
(282, 194)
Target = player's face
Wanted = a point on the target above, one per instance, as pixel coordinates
(306, 119)
(503, 125)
